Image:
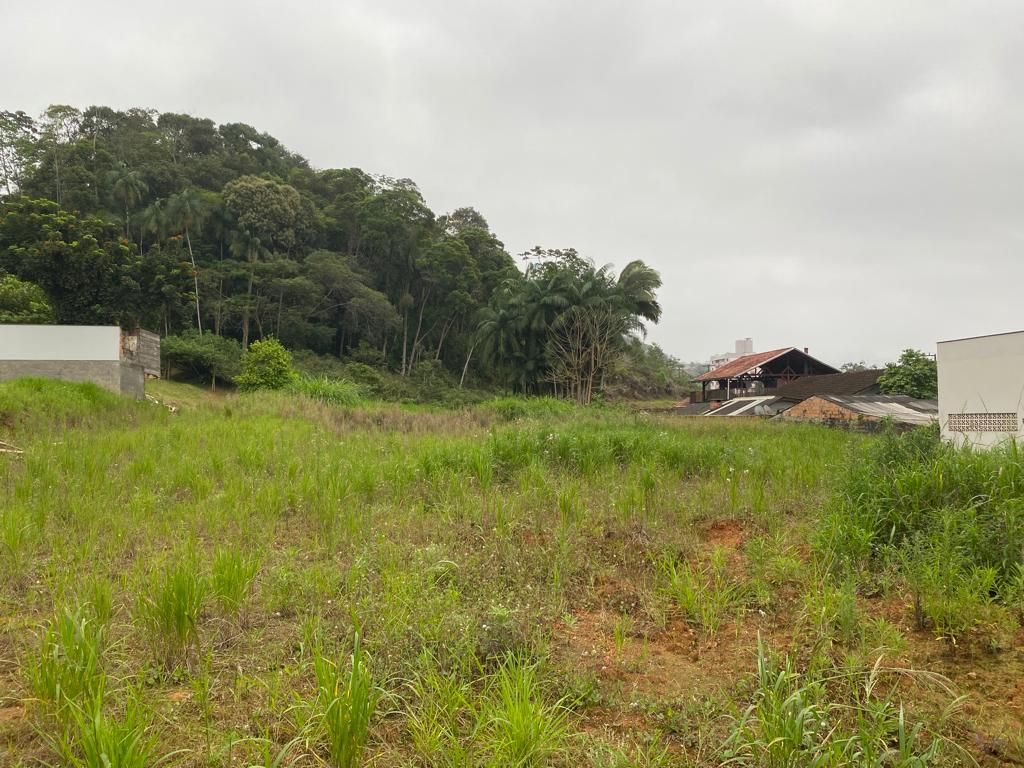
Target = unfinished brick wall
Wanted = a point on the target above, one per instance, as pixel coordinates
(820, 409)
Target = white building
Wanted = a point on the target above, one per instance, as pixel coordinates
(743, 347)
(981, 389)
(105, 355)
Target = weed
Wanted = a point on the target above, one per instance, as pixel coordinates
(232, 577)
(97, 740)
(793, 721)
(171, 610)
(346, 701)
(521, 728)
(706, 596)
(68, 669)
(337, 392)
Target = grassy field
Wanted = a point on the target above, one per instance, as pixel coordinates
(267, 579)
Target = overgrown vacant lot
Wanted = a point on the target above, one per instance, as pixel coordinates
(268, 580)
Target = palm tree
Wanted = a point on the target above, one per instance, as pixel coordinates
(128, 188)
(245, 245)
(187, 210)
(152, 220)
(636, 291)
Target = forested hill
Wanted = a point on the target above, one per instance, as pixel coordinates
(178, 224)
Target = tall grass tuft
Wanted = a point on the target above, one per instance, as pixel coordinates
(232, 577)
(97, 740)
(522, 729)
(172, 608)
(833, 718)
(443, 713)
(705, 597)
(347, 699)
(339, 392)
(68, 671)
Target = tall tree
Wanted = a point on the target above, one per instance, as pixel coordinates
(127, 187)
(915, 374)
(187, 211)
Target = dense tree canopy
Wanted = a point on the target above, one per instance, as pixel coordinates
(914, 374)
(187, 227)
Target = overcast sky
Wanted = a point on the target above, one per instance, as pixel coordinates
(846, 176)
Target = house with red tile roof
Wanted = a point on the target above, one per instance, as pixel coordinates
(760, 373)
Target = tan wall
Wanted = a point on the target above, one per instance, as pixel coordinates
(983, 375)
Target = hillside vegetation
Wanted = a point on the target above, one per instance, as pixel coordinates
(217, 235)
(275, 578)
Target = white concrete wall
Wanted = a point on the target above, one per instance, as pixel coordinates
(979, 379)
(60, 342)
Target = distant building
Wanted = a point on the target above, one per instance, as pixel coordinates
(981, 389)
(852, 383)
(864, 411)
(743, 347)
(786, 396)
(105, 355)
(759, 374)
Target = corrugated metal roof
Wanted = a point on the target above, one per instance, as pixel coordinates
(740, 406)
(900, 408)
(850, 383)
(743, 364)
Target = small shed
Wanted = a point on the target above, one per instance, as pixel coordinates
(981, 389)
(102, 354)
(864, 411)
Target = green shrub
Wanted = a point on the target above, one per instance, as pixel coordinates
(949, 521)
(266, 364)
(207, 357)
(340, 392)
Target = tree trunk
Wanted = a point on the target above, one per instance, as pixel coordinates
(419, 327)
(245, 312)
(405, 338)
(466, 366)
(195, 279)
(444, 332)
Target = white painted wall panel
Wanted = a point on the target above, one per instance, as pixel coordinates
(981, 383)
(60, 342)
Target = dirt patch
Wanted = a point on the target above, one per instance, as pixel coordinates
(11, 714)
(675, 661)
(724, 534)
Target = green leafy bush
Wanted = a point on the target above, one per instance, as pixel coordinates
(205, 356)
(23, 302)
(266, 364)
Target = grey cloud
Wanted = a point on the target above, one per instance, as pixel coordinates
(844, 176)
